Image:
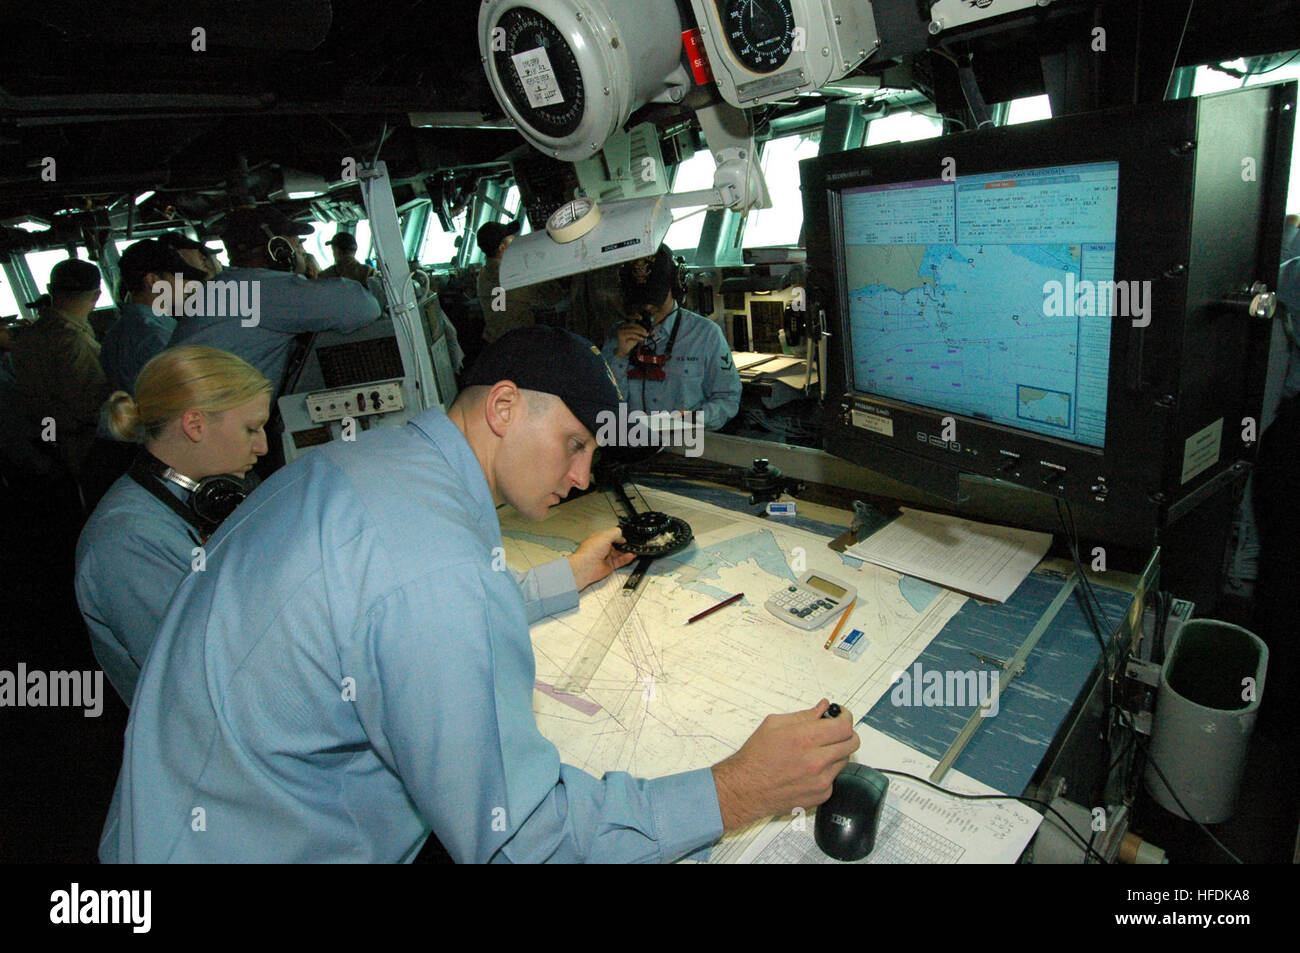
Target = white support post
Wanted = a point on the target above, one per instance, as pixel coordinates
(424, 386)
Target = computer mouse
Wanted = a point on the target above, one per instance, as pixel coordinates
(846, 824)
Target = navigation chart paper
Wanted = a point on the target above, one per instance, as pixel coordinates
(671, 697)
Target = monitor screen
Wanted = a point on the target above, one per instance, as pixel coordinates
(986, 295)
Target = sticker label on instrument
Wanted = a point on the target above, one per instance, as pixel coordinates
(538, 78)
(873, 422)
(770, 85)
(1202, 450)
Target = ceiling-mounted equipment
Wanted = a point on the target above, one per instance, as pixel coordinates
(949, 14)
(585, 235)
(763, 50)
(630, 165)
(569, 73)
(296, 184)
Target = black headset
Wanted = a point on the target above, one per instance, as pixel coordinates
(211, 499)
(679, 279)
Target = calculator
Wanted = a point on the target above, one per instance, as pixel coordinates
(811, 602)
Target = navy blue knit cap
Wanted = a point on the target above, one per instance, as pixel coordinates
(552, 361)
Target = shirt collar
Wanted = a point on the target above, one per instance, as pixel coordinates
(451, 444)
(664, 329)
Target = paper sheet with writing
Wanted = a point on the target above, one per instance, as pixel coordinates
(918, 826)
(978, 559)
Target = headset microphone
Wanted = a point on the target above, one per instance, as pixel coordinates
(280, 250)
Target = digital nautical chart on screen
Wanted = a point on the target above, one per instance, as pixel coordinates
(989, 296)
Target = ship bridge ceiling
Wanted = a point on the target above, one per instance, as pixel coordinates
(211, 100)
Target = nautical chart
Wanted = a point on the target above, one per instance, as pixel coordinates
(671, 697)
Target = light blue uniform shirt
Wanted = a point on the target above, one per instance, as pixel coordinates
(287, 305)
(701, 374)
(137, 335)
(131, 556)
(350, 672)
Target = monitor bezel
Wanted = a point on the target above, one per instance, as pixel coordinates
(1155, 185)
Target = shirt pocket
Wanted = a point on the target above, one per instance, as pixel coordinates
(691, 388)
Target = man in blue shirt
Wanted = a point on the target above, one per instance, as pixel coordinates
(667, 359)
(151, 271)
(255, 307)
(353, 668)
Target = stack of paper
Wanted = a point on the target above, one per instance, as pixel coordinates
(979, 559)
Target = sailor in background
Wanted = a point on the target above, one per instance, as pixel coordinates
(199, 413)
(345, 265)
(147, 310)
(201, 259)
(666, 358)
(267, 264)
(56, 364)
(503, 311)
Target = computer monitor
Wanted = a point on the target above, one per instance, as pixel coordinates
(963, 295)
(1062, 305)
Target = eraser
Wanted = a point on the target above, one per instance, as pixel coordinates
(852, 645)
(780, 509)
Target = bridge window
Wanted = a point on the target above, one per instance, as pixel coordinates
(1029, 109)
(903, 125)
(439, 247)
(695, 173)
(8, 303)
(513, 203)
(780, 224)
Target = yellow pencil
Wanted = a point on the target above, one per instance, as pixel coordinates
(839, 625)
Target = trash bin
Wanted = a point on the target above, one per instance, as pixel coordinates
(1209, 694)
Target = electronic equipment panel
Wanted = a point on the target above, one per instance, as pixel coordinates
(1071, 305)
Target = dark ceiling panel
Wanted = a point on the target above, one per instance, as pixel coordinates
(250, 24)
(116, 93)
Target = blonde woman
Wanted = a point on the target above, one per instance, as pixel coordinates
(199, 414)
